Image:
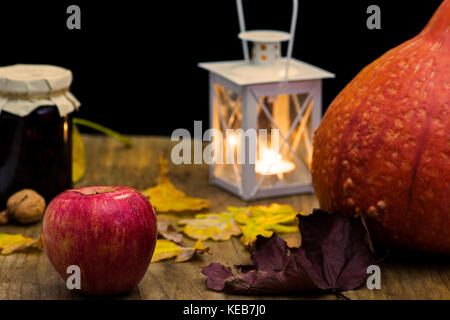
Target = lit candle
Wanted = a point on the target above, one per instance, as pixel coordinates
(232, 140)
(272, 163)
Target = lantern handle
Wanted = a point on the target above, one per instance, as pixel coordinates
(292, 33)
(243, 29)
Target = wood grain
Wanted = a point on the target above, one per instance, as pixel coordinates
(30, 275)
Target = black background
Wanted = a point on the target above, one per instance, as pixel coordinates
(135, 62)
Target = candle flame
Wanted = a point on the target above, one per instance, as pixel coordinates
(232, 140)
(272, 163)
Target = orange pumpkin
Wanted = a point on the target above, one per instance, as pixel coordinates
(383, 147)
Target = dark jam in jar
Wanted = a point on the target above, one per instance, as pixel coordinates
(35, 153)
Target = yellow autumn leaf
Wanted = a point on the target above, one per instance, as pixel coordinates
(216, 226)
(165, 197)
(78, 156)
(263, 220)
(11, 243)
(166, 249)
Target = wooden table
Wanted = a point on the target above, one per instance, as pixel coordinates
(31, 276)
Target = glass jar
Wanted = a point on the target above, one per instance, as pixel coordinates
(35, 130)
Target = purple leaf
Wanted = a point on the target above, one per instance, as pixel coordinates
(217, 274)
(335, 251)
(334, 255)
(274, 271)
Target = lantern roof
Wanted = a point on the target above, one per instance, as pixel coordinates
(244, 73)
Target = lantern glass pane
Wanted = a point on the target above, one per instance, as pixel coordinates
(284, 154)
(227, 117)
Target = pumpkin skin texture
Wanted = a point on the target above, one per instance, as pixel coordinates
(382, 149)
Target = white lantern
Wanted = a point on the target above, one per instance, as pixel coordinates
(278, 99)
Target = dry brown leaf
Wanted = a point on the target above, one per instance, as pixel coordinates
(186, 255)
(11, 243)
(165, 197)
(168, 230)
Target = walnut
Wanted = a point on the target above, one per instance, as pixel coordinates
(25, 206)
(3, 218)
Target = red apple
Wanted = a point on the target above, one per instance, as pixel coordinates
(108, 232)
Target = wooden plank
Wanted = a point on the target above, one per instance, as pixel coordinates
(410, 275)
(31, 276)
